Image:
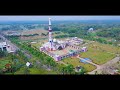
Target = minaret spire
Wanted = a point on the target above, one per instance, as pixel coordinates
(50, 33)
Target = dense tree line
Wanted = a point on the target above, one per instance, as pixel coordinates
(31, 35)
(110, 32)
(105, 29)
(20, 26)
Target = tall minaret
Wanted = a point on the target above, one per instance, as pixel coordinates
(50, 34)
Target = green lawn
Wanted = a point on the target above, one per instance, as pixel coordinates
(3, 62)
(98, 56)
(37, 45)
(34, 71)
(106, 47)
(40, 71)
(75, 62)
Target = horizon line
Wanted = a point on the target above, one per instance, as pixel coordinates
(62, 20)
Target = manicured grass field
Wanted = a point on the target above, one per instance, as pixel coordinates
(34, 71)
(106, 47)
(98, 55)
(3, 62)
(37, 45)
(75, 62)
(40, 71)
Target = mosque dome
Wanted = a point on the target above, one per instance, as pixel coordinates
(54, 40)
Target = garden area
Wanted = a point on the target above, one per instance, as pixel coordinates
(75, 62)
(106, 47)
(3, 62)
(33, 71)
(98, 53)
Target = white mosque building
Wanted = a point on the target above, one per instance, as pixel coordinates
(53, 45)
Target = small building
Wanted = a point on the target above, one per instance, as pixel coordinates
(84, 60)
(57, 57)
(28, 64)
(78, 68)
(84, 49)
(3, 46)
(90, 30)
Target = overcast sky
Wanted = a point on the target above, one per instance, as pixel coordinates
(42, 18)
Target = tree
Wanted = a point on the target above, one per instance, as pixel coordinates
(2, 53)
(67, 69)
(70, 69)
(82, 71)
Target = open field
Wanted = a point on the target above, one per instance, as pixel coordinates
(3, 62)
(37, 44)
(30, 32)
(75, 62)
(40, 71)
(34, 71)
(98, 54)
(106, 47)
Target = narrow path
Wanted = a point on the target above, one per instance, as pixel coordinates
(115, 60)
(15, 47)
(99, 67)
(90, 62)
(63, 63)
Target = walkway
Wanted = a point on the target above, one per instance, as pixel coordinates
(62, 63)
(115, 60)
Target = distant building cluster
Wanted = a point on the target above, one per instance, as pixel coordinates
(59, 49)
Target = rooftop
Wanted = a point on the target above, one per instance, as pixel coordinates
(64, 51)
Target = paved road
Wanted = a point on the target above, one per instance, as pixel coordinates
(14, 47)
(89, 62)
(100, 67)
(63, 63)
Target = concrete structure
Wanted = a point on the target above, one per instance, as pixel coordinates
(6, 47)
(84, 49)
(3, 46)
